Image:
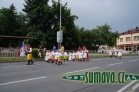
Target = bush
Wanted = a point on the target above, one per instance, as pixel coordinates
(35, 53)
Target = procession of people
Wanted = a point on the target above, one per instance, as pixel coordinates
(55, 55)
(116, 53)
(58, 55)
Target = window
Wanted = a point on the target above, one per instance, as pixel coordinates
(121, 39)
(127, 39)
(128, 48)
(136, 38)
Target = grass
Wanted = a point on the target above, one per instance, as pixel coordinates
(35, 59)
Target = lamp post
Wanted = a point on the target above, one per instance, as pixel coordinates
(59, 43)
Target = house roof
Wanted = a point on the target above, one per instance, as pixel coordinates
(130, 31)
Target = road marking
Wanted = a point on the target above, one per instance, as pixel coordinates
(20, 66)
(133, 60)
(115, 64)
(81, 70)
(23, 80)
(135, 87)
(125, 87)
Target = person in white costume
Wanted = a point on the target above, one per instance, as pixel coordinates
(59, 57)
(81, 56)
(47, 57)
(22, 52)
(65, 56)
(115, 52)
(119, 53)
(110, 53)
(70, 56)
(73, 56)
(56, 57)
(85, 55)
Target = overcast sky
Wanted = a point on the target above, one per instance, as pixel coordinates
(121, 15)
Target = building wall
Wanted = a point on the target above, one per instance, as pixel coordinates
(135, 34)
(130, 44)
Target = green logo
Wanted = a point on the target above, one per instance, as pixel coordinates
(103, 77)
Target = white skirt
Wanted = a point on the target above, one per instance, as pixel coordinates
(69, 57)
(119, 53)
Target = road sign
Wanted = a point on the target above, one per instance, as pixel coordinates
(60, 36)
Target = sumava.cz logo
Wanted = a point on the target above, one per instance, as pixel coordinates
(102, 77)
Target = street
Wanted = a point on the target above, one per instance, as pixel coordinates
(47, 77)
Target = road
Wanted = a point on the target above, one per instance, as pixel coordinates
(46, 77)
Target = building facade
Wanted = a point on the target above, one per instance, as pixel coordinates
(129, 41)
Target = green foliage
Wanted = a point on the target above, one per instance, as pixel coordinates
(35, 52)
(42, 21)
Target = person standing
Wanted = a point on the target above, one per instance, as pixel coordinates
(54, 48)
(62, 49)
(110, 53)
(29, 55)
(40, 50)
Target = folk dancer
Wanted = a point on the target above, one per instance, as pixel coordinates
(40, 50)
(47, 57)
(56, 57)
(52, 56)
(59, 57)
(119, 53)
(77, 55)
(70, 56)
(80, 56)
(110, 53)
(29, 55)
(115, 53)
(85, 55)
(73, 56)
(65, 56)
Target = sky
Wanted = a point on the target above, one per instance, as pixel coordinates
(121, 15)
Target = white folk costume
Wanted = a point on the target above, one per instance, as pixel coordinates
(110, 53)
(73, 56)
(22, 52)
(47, 57)
(52, 56)
(56, 57)
(80, 55)
(70, 56)
(85, 55)
(115, 53)
(65, 56)
(120, 53)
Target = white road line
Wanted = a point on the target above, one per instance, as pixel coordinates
(20, 66)
(135, 87)
(81, 70)
(23, 80)
(133, 60)
(125, 87)
(115, 64)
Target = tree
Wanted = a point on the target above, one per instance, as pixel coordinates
(9, 24)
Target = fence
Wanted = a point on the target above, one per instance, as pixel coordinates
(8, 54)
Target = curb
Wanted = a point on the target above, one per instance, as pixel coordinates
(61, 59)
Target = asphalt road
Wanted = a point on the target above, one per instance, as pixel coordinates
(46, 77)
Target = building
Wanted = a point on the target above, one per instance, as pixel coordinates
(129, 41)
